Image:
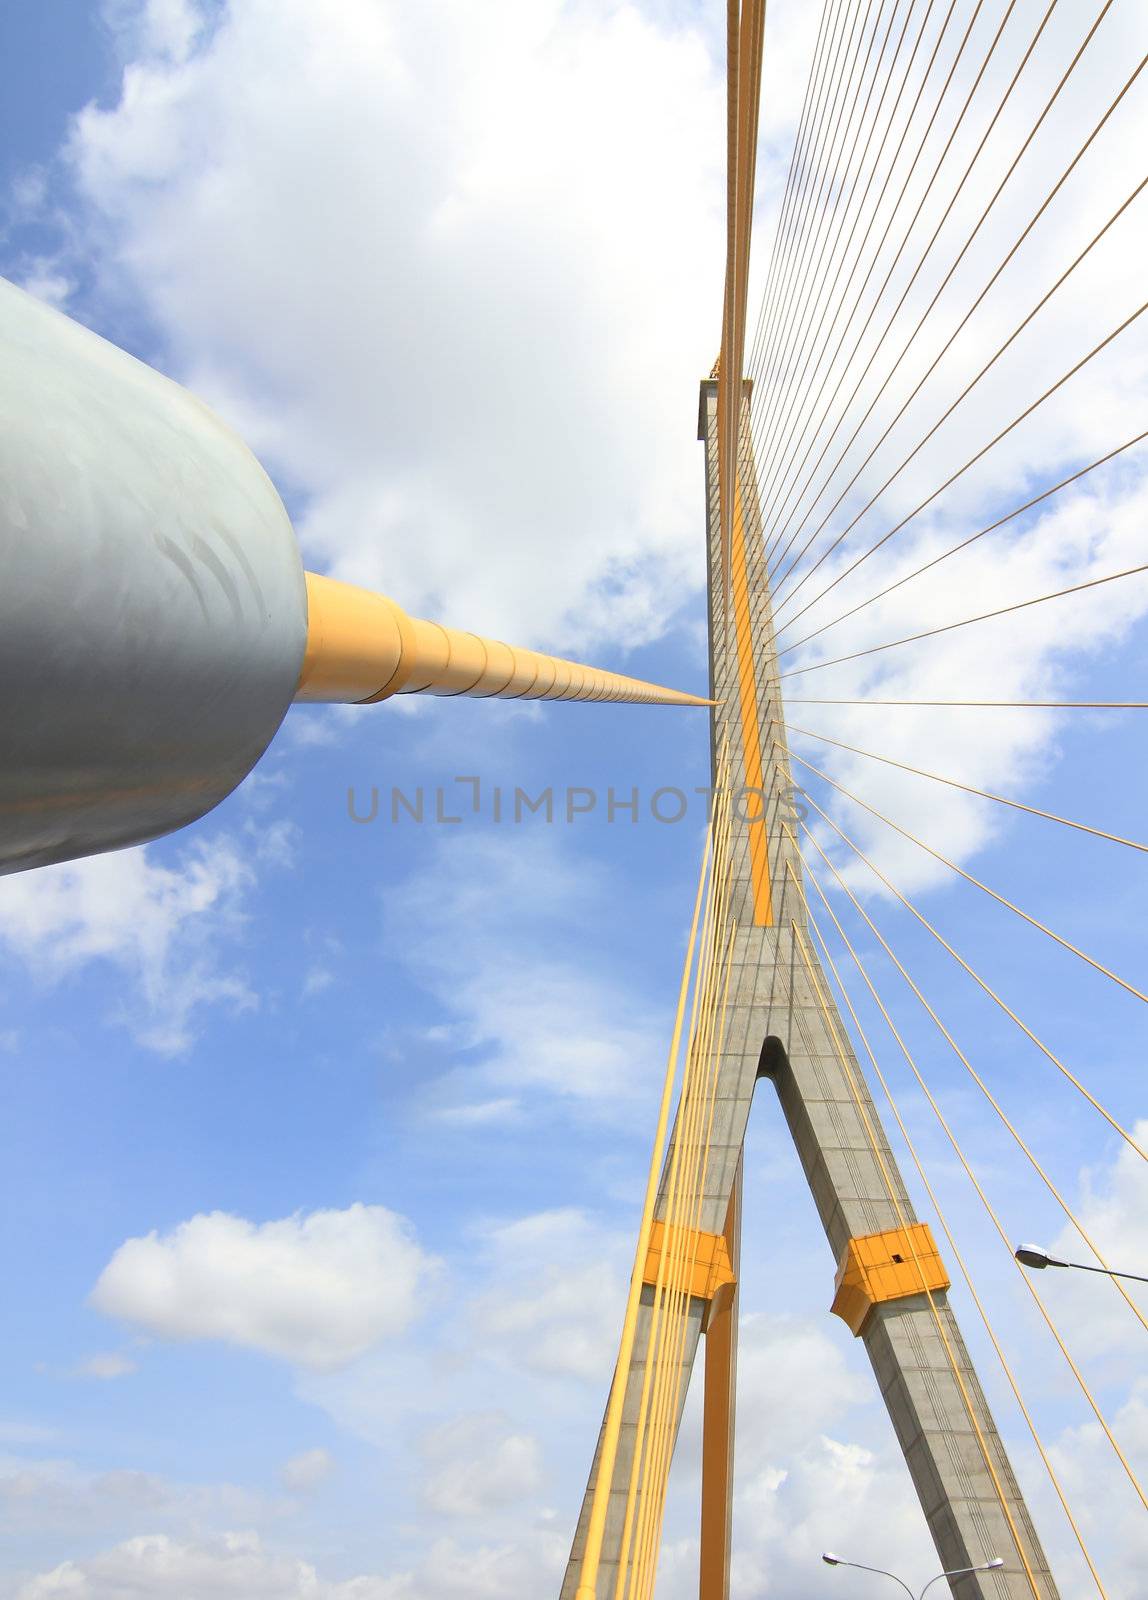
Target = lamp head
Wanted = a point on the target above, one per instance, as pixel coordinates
(831, 1560)
(1031, 1255)
(997, 1561)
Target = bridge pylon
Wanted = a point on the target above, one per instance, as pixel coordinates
(780, 1021)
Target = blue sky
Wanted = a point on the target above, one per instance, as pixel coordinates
(469, 360)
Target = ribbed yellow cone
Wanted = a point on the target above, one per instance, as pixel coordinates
(363, 647)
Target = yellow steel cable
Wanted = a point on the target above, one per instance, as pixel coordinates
(968, 788)
(963, 544)
(725, 465)
(668, 1309)
(611, 1429)
(667, 1384)
(662, 1478)
(664, 1321)
(668, 1397)
(1040, 1044)
(788, 248)
(931, 1192)
(941, 1218)
(818, 156)
(1026, 705)
(666, 1380)
(782, 491)
(688, 1220)
(835, 168)
(902, 1220)
(802, 413)
(659, 1308)
(781, 408)
(717, 823)
(745, 38)
(846, 1067)
(965, 622)
(964, 392)
(684, 1140)
(976, 1076)
(948, 276)
(1003, 900)
(929, 1188)
(781, 253)
(784, 600)
(1077, 1374)
(958, 188)
(750, 53)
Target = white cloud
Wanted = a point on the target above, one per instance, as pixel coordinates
(317, 980)
(1113, 1207)
(1031, 655)
(538, 1306)
(832, 1494)
(529, 1564)
(533, 1001)
(817, 1468)
(547, 283)
(1084, 533)
(106, 1364)
(160, 925)
(558, 1286)
(326, 962)
(476, 362)
(275, 843)
(318, 1289)
(230, 1564)
(53, 1496)
(479, 1113)
(477, 1463)
(239, 1566)
(822, 1473)
(779, 1357)
(1111, 1514)
(42, 279)
(517, 260)
(307, 1470)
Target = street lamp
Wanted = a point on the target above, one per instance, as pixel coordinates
(831, 1560)
(1031, 1255)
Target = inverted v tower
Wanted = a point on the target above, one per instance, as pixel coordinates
(884, 1273)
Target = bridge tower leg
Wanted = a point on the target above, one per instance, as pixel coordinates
(718, 1408)
(782, 1022)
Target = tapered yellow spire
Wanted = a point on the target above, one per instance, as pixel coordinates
(362, 647)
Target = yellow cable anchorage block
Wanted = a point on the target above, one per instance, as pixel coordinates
(362, 647)
(707, 1252)
(886, 1266)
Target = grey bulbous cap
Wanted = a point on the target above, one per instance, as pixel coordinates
(152, 602)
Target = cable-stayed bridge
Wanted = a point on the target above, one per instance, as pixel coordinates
(938, 298)
(815, 457)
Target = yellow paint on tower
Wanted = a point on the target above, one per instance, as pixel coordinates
(750, 725)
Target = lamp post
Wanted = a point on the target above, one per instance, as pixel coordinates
(831, 1560)
(1031, 1255)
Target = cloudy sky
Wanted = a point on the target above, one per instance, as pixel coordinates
(322, 1140)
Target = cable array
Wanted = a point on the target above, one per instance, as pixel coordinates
(932, 187)
(661, 1315)
(886, 389)
(958, 1257)
(900, 432)
(940, 168)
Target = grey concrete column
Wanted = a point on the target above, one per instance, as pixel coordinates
(782, 1022)
(619, 1489)
(938, 1409)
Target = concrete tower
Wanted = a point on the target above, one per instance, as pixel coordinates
(782, 1023)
